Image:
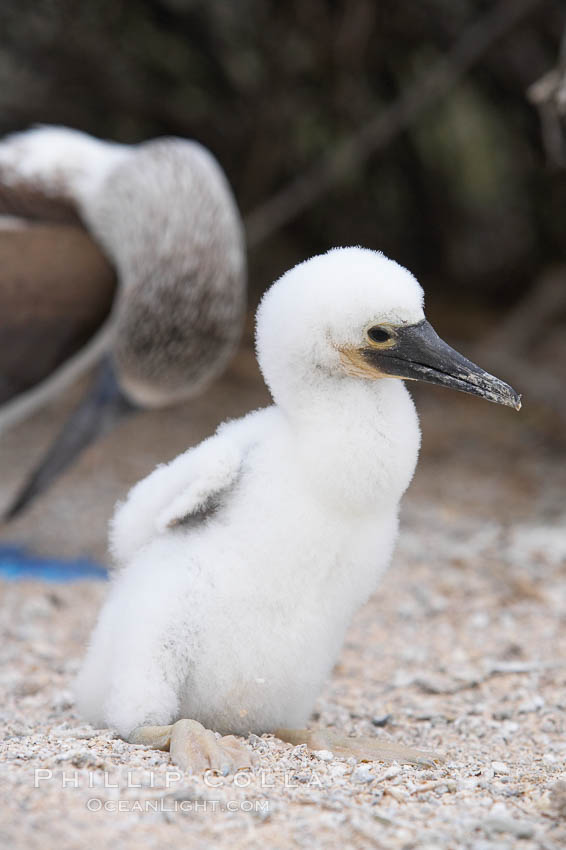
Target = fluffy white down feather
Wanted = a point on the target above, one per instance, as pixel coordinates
(236, 617)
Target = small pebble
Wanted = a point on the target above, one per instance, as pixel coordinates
(532, 705)
(520, 829)
(362, 774)
(502, 715)
(392, 771)
(323, 755)
(381, 721)
(500, 768)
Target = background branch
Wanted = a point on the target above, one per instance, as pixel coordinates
(348, 155)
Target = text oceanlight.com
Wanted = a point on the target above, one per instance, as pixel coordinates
(168, 804)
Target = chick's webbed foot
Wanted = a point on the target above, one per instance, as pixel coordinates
(361, 748)
(195, 748)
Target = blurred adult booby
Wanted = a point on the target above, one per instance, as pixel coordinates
(242, 562)
(163, 215)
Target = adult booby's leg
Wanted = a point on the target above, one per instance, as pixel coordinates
(195, 748)
(363, 748)
(104, 406)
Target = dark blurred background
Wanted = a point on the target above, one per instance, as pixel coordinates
(464, 196)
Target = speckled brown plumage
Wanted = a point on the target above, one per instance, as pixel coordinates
(164, 216)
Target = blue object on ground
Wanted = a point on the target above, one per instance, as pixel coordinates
(17, 563)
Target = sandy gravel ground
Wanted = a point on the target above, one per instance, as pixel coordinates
(462, 651)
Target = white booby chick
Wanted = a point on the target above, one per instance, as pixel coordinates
(165, 217)
(242, 562)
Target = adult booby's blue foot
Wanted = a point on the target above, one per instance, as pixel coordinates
(163, 214)
(241, 563)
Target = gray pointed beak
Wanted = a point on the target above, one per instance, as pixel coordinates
(419, 354)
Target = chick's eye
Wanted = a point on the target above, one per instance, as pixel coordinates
(379, 334)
